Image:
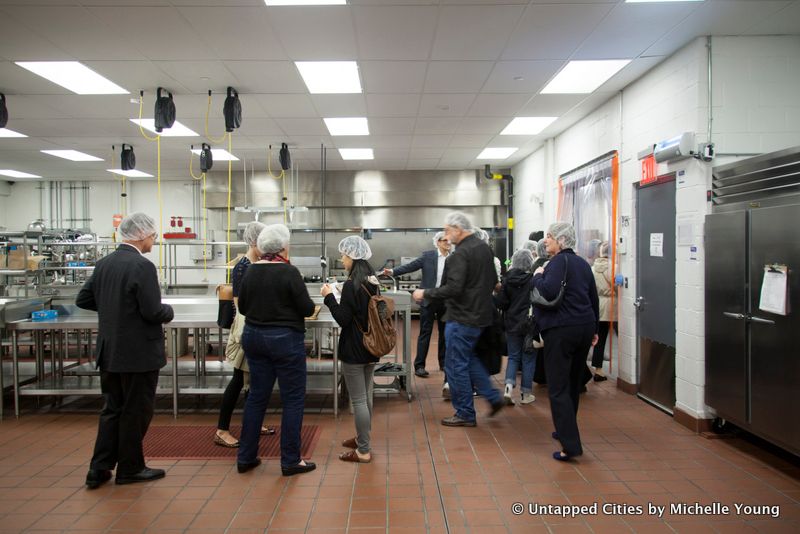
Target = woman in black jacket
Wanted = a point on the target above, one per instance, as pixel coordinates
(358, 364)
(514, 299)
(568, 331)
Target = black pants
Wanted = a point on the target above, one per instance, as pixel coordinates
(229, 399)
(565, 350)
(427, 315)
(128, 410)
(602, 333)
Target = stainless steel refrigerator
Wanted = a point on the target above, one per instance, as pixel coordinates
(752, 358)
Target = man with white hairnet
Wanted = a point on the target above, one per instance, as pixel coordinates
(432, 264)
(123, 290)
(467, 292)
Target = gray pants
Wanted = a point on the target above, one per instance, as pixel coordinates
(359, 380)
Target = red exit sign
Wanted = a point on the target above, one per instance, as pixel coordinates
(649, 170)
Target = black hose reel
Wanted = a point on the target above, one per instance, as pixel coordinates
(206, 157)
(127, 158)
(3, 111)
(164, 111)
(232, 110)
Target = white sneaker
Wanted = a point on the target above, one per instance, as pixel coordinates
(507, 394)
(526, 398)
(446, 391)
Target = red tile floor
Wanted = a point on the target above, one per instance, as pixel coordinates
(424, 477)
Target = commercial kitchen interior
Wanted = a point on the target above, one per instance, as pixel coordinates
(708, 88)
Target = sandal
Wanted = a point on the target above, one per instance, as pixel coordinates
(222, 443)
(350, 443)
(268, 431)
(352, 456)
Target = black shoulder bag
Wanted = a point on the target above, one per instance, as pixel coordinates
(537, 299)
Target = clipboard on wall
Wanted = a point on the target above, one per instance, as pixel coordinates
(775, 290)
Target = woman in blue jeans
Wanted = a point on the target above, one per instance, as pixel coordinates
(514, 299)
(274, 300)
(358, 364)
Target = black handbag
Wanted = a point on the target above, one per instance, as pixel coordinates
(533, 337)
(227, 311)
(538, 300)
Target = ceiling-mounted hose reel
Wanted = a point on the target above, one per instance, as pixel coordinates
(284, 157)
(164, 111)
(206, 157)
(128, 158)
(3, 111)
(232, 110)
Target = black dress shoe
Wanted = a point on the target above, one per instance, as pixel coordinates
(97, 477)
(298, 469)
(496, 407)
(245, 467)
(421, 372)
(144, 475)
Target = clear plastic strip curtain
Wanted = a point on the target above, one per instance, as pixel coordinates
(588, 200)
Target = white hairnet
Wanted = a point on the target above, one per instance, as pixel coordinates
(563, 233)
(541, 248)
(355, 248)
(437, 237)
(530, 246)
(136, 227)
(251, 232)
(482, 234)
(458, 220)
(603, 249)
(522, 259)
(273, 238)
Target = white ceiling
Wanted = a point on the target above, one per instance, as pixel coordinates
(438, 75)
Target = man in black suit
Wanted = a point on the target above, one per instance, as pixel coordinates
(124, 292)
(432, 264)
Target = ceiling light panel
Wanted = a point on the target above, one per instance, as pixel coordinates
(177, 130)
(17, 174)
(330, 76)
(658, 1)
(219, 154)
(527, 125)
(5, 132)
(305, 2)
(74, 76)
(356, 153)
(72, 155)
(347, 126)
(496, 152)
(581, 77)
(133, 173)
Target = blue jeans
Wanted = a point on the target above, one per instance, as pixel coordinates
(464, 369)
(273, 353)
(517, 357)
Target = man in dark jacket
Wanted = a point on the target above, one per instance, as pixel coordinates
(432, 264)
(467, 292)
(124, 292)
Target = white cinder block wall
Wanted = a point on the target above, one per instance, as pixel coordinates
(755, 84)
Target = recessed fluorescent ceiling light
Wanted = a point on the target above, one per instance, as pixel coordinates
(330, 76)
(347, 126)
(72, 155)
(580, 77)
(74, 76)
(659, 1)
(527, 125)
(131, 174)
(177, 130)
(219, 154)
(5, 132)
(356, 153)
(497, 152)
(305, 2)
(17, 174)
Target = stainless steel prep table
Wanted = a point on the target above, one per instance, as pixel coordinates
(197, 314)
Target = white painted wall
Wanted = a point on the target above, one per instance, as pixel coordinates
(529, 191)
(5, 191)
(755, 84)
